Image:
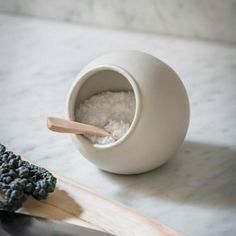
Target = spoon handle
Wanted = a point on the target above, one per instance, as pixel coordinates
(67, 126)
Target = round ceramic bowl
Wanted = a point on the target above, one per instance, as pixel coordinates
(161, 115)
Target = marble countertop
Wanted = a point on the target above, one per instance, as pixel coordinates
(209, 19)
(195, 192)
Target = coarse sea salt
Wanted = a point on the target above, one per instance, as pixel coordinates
(114, 111)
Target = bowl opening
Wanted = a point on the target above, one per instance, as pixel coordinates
(97, 80)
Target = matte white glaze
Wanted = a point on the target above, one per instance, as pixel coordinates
(161, 117)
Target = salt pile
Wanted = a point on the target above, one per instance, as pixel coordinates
(114, 111)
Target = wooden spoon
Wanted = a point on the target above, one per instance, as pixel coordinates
(67, 126)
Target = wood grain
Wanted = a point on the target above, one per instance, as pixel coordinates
(76, 204)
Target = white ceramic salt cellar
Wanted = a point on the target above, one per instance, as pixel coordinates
(161, 116)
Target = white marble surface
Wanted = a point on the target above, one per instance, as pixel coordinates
(209, 19)
(195, 192)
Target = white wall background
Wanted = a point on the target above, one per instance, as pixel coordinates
(207, 19)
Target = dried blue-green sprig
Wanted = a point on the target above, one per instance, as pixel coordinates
(19, 179)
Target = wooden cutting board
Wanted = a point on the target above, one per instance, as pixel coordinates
(76, 204)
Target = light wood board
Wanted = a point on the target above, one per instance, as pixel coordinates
(76, 204)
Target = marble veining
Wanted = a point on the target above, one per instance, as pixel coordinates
(209, 19)
(195, 192)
